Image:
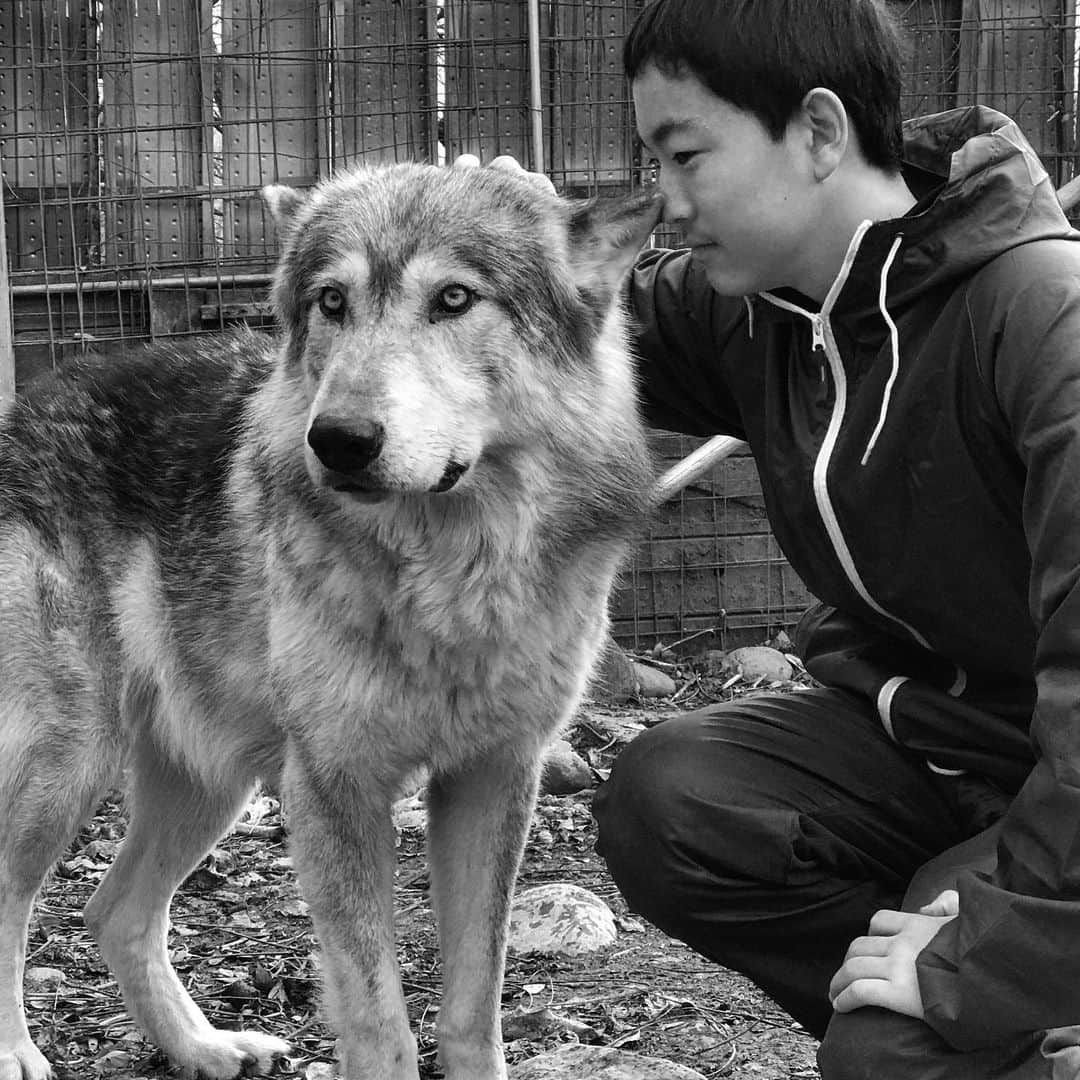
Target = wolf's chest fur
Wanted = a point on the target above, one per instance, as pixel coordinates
(452, 630)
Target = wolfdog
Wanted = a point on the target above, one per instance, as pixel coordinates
(379, 542)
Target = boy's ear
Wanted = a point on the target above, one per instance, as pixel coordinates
(606, 236)
(283, 202)
(828, 128)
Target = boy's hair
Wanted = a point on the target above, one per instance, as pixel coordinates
(763, 56)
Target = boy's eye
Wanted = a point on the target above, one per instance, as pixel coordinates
(683, 157)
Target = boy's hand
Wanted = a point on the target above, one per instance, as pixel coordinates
(506, 163)
(879, 969)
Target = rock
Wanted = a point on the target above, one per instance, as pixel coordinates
(614, 679)
(651, 682)
(410, 815)
(599, 1063)
(618, 679)
(37, 980)
(565, 771)
(537, 1024)
(560, 919)
(759, 661)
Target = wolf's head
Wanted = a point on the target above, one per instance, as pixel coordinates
(438, 319)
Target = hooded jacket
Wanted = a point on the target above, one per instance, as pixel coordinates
(918, 441)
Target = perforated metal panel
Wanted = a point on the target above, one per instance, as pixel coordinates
(47, 98)
(385, 82)
(591, 136)
(152, 127)
(487, 79)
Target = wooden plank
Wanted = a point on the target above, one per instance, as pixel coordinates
(153, 109)
(932, 68)
(1012, 57)
(208, 59)
(269, 113)
(46, 145)
(7, 334)
(383, 78)
(590, 132)
(487, 79)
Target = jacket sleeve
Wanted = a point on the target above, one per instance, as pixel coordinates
(684, 336)
(1010, 962)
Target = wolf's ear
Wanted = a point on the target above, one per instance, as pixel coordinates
(283, 202)
(606, 236)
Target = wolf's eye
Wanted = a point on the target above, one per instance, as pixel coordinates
(453, 300)
(332, 302)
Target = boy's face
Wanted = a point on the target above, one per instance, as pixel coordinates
(743, 201)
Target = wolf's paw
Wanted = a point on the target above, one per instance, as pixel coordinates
(24, 1061)
(225, 1055)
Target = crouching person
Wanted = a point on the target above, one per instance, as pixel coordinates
(890, 315)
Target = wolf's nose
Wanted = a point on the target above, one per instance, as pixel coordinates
(344, 444)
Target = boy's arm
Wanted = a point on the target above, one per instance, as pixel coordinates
(1010, 962)
(685, 337)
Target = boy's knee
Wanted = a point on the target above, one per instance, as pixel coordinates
(672, 820)
(638, 811)
(644, 780)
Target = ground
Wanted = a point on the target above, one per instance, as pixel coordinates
(242, 943)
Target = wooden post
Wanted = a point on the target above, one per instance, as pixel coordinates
(384, 88)
(590, 140)
(269, 114)
(7, 341)
(536, 101)
(1013, 56)
(487, 79)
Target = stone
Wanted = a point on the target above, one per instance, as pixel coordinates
(410, 815)
(599, 1063)
(40, 979)
(565, 771)
(652, 682)
(560, 919)
(759, 661)
(614, 679)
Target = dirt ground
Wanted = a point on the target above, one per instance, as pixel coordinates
(242, 943)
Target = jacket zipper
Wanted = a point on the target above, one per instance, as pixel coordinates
(821, 468)
(817, 328)
(823, 341)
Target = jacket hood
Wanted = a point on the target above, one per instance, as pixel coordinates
(981, 191)
(995, 194)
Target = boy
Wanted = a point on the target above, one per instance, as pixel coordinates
(891, 319)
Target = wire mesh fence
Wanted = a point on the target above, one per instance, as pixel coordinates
(135, 136)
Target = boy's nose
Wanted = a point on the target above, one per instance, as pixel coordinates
(677, 207)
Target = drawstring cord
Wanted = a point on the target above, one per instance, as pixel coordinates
(749, 314)
(894, 339)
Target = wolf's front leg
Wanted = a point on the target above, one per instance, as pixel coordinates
(478, 819)
(342, 844)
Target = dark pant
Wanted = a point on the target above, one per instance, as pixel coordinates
(765, 832)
